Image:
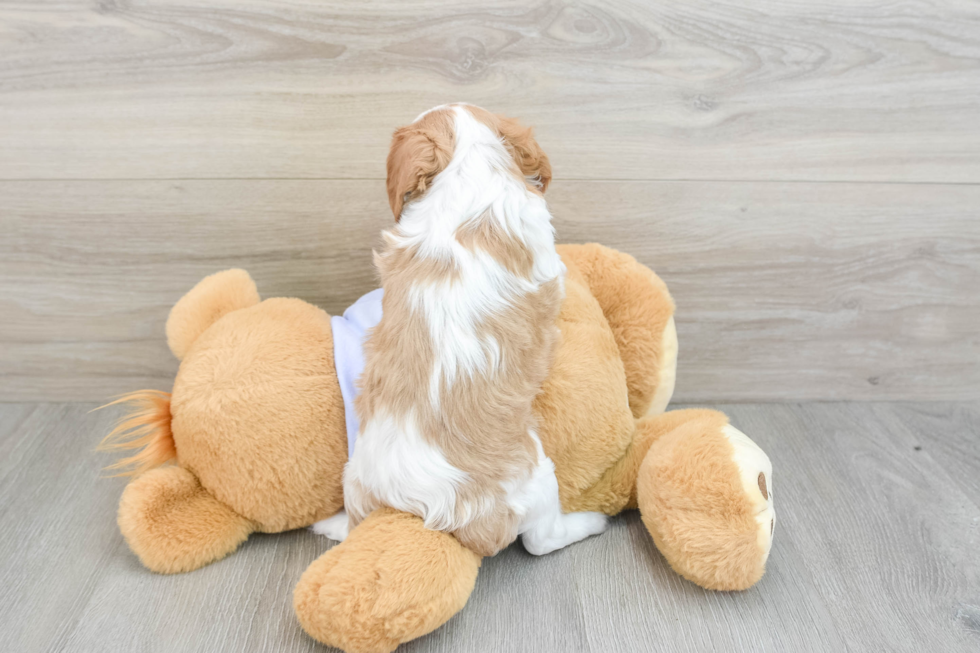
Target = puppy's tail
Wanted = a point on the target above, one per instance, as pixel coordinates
(145, 427)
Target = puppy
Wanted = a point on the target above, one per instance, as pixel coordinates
(472, 288)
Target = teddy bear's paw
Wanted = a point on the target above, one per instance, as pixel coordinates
(334, 528)
(392, 580)
(174, 525)
(704, 490)
(755, 473)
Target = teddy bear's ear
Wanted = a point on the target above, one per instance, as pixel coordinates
(174, 525)
(208, 301)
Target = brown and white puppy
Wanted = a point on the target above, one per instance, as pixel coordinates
(472, 288)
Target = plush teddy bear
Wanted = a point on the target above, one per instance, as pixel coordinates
(255, 426)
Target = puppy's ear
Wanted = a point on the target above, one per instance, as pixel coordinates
(418, 153)
(528, 155)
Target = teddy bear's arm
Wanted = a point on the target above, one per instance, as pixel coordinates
(640, 312)
(704, 490)
(174, 525)
(392, 580)
(616, 490)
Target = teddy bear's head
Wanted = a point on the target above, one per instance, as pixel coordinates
(258, 417)
(255, 425)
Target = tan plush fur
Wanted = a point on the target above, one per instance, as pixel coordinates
(616, 489)
(258, 426)
(426, 575)
(694, 506)
(273, 452)
(637, 306)
(175, 525)
(585, 393)
(211, 298)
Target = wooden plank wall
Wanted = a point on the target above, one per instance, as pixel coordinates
(806, 178)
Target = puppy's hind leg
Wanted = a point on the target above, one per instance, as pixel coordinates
(335, 528)
(546, 528)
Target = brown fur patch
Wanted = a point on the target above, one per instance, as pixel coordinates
(485, 234)
(406, 262)
(418, 153)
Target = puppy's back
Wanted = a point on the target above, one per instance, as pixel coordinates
(467, 338)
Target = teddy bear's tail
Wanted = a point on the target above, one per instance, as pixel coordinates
(145, 427)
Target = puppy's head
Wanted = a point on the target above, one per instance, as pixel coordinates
(422, 150)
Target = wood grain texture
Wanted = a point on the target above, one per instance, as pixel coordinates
(784, 291)
(761, 90)
(875, 549)
(954, 449)
(887, 536)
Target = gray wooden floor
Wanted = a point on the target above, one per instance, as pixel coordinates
(877, 549)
